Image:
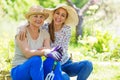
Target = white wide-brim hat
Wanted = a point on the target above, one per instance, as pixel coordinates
(36, 10)
(72, 19)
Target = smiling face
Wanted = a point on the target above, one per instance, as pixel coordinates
(59, 16)
(36, 20)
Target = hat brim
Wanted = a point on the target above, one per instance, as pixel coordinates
(72, 19)
(33, 13)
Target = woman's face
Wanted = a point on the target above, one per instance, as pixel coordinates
(37, 20)
(59, 16)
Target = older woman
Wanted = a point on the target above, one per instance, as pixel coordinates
(27, 63)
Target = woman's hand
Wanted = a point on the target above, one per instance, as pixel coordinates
(53, 54)
(56, 53)
(22, 33)
(22, 30)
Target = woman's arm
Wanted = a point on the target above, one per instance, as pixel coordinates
(21, 30)
(46, 43)
(66, 38)
(24, 47)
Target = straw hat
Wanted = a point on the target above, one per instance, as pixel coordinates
(72, 19)
(36, 10)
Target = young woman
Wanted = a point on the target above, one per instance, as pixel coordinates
(59, 24)
(27, 63)
(62, 18)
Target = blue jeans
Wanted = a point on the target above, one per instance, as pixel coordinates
(65, 76)
(80, 69)
(35, 69)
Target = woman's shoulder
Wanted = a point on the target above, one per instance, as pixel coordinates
(43, 30)
(46, 23)
(45, 26)
(44, 33)
(66, 27)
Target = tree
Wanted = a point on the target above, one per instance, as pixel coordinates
(80, 13)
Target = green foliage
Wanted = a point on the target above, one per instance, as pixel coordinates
(15, 9)
(92, 10)
(101, 34)
(89, 26)
(102, 46)
(80, 3)
(115, 49)
(103, 41)
(6, 44)
(6, 53)
(73, 37)
(50, 3)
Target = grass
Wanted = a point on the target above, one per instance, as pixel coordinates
(105, 71)
(102, 70)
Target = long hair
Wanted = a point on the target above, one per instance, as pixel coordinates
(51, 31)
(51, 27)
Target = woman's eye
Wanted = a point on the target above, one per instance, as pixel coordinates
(57, 13)
(35, 16)
(41, 16)
(63, 15)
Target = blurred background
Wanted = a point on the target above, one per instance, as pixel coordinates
(96, 38)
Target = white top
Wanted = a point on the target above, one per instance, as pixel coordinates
(19, 58)
(62, 39)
